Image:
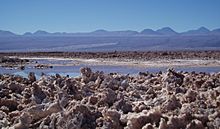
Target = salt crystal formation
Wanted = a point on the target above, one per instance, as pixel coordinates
(11, 63)
(169, 100)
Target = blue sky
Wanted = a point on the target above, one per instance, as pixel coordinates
(88, 15)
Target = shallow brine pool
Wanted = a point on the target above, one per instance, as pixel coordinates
(61, 68)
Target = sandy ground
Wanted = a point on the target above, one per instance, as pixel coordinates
(136, 63)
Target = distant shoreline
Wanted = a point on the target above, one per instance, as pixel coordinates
(117, 55)
(130, 58)
(135, 63)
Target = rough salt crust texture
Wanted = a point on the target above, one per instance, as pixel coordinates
(169, 100)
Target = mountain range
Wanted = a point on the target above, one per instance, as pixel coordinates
(166, 31)
(103, 40)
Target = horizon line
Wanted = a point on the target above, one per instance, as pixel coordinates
(32, 32)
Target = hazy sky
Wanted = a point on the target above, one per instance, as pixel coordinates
(87, 15)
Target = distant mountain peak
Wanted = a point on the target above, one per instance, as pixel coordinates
(114, 33)
(199, 31)
(149, 32)
(167, 31)
(203, 29)
(41, 32)
(166, 28)
(6, 33)
(100, 31)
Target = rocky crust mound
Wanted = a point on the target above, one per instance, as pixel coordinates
(8, 62)
(43, 66)
(169, 100)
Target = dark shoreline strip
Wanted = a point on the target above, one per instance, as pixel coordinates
(137, 55)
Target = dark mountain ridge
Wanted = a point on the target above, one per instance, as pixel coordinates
(199, 31)
(104, 40)
(166, 31)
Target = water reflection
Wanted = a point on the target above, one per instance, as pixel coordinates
(73, 71)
